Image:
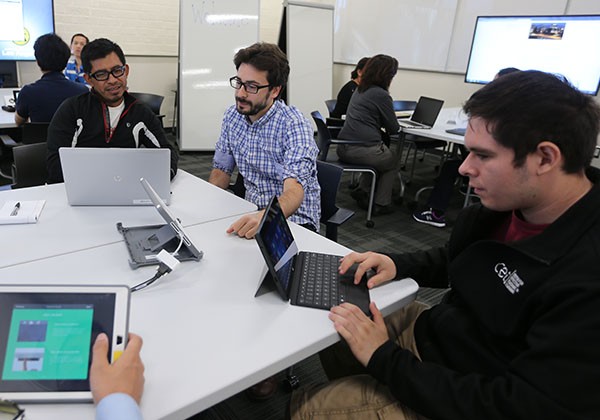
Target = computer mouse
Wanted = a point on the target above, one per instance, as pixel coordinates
(8, 108)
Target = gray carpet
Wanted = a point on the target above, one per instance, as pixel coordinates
(396, 232)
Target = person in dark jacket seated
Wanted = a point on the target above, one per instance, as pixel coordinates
(516, 336)
(38, 101)
(345, 93)
(107, 116)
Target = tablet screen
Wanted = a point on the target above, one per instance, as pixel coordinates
(47, 338)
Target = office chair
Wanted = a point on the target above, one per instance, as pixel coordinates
(330, 104)
(29, 167)
(31, 133)
(153, 101)
(324, 141)
(332, 216)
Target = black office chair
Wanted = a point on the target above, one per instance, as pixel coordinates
(153, 101)
(330, 104)
(324, 141)
(29, 167)
(332, 216)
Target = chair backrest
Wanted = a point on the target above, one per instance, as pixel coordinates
(323, 135)
(30, 165)
(34, 132)
(329, 177)
(404, 105)
(150, 99)
(330, 104)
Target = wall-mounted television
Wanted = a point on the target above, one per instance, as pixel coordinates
(567, 45)
(21, 23)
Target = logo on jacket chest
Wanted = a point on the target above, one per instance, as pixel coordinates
(510, 279)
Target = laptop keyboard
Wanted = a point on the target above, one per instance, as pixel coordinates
(319, 285)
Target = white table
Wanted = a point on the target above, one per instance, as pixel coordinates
(62, 228)
(7, 119)
(449, 118)
(205, 335)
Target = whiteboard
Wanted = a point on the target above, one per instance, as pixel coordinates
(416, 33)
(466, 15)
(309, 50)
(210, 33)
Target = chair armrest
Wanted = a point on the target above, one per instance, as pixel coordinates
(340, 216)
(8, 141)
(352, 141)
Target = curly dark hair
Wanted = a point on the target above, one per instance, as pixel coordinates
(265, 57)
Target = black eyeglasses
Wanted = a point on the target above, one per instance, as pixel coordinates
(103, 75)
(10, 411)
(237, 84)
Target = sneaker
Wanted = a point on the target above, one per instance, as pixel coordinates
(430, 218)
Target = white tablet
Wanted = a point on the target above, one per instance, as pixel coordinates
(47, 334)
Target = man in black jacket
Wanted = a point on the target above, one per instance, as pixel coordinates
(107, 116)
(516, 337)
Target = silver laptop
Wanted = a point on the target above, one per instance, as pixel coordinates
(425, 114)
(111, 176)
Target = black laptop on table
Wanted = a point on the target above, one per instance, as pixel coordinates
(305, 278)
(425, 114)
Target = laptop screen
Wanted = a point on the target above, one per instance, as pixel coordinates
(277, 244)
(427, 110)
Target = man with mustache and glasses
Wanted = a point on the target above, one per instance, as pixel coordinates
(107, 116)
(271, 143)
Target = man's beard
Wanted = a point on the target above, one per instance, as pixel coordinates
(255, 108)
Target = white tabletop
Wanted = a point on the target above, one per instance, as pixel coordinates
(205, 335)
(449, 118)
(7, 119)
(62, 228)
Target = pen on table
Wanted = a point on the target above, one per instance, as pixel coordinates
(15, 210)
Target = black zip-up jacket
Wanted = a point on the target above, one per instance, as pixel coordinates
(81, 122)
(518, 334)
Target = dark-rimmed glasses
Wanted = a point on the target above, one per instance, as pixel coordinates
(103, 75)
(10, 411)
(237, 84)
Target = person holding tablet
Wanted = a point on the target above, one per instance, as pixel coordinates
(117, 388)
(516, 336)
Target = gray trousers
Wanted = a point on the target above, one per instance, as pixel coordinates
(378, 156)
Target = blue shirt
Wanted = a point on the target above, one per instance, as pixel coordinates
(39, 100)
(277, 146)
(74, 73)
(118, 406)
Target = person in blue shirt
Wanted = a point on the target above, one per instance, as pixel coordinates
(74, 70)
(38, 101)
(117, 388)
(271, 143)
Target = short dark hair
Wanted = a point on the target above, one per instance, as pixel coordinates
(265, 57)
(359, 66)
(51, 52)
(99, 48)
(87, 40)
(379, 71)
(524, 108)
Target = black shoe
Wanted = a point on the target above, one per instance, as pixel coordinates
(383, 210)
(359, 194)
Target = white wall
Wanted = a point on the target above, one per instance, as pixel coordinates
(158, 74)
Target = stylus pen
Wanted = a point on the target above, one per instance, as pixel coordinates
(15, 210)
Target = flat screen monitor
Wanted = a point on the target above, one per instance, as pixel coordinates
(566, 45)
(21, 23)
